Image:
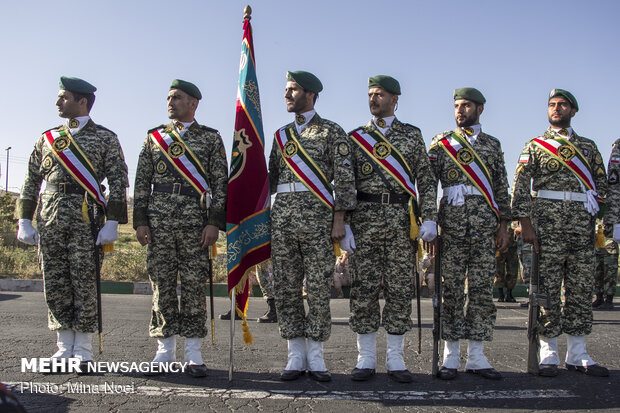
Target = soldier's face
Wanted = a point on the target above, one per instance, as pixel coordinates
(297, 99)
(560, 112)
(68, 107)
(181, 106)
(466, 112)
(381, 103)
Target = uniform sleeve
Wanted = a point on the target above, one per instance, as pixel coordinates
(218, 181)
(612, 215)
(344, 177)
(433, 157)
(27, 202)
(500, 187)
(426, 182)
(274, 167)
(116, 173)
(142, 185)
(600, 177)
(521, 203)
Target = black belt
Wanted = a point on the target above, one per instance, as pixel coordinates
(384, 198)
(177, 189)
(65, 188)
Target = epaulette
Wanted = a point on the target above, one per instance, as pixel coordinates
(103, 127)
(408, 125)
(157, 127)
(439, 137)
(208, 129)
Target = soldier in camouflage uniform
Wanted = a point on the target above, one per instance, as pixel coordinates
(558, 218)
(381, 225)
(264, 275)
(177, 224)
(606, 275)
(303, 227)
(612, 215)
(470, 234)
(65, 220)
(507, 269)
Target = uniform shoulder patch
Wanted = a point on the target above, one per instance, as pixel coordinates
(54, 128)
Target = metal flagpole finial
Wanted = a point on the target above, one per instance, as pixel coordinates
(247, 13)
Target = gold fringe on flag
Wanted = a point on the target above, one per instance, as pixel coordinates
(600, 238)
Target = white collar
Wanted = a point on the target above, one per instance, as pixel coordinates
(82, 121)
(307, 118)
(569, 130)
(388, 123)
(186, 125)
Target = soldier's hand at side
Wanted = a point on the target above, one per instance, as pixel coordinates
(210, 233)
(502, 240)
(528, 234)
(143, 233)
(338, 231)
(431, 247)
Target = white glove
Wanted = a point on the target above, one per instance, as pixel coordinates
(26, 232)
(348, 242)
(108, 234)
(428, 231)
(456, 195)
(617, 232)
(591, 203)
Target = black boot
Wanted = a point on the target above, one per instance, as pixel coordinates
(598, 302)
(270, 316)
(509, 297)
(608, 304)
(501, 298)
(226, 316)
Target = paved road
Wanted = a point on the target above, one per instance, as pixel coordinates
(256, 387)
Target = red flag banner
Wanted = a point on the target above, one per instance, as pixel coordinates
(247, 217)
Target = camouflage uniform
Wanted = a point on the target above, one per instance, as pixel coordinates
(264, 276)
(301, 225)
(612, 215)
(66, 241)
(176, 222)
(468, 242)
(508, 265)
(385, 250)
(606, 271)
(565, 232)
(525, 257)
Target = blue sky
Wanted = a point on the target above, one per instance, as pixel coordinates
(514, 52)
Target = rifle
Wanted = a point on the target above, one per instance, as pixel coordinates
(437, 299)
(212, 253)
(536, 301)
(95, 230)
(417, 297)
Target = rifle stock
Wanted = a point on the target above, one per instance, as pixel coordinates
(437, 299)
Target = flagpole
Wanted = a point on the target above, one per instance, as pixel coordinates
(233, 316)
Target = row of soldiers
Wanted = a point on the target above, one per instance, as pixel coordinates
(371, 192)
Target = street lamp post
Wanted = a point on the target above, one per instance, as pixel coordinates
(6, 188)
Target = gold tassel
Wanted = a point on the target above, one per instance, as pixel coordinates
(247, 336)
(420, 250)
(213, 251)
(85, 210)
(414, 230)
(337, 250)
(108, 248)
(600, 238)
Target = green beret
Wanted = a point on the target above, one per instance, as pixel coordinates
(306, 80)
(187, 87)
(566, 95)
(388, 83)
(73, 84)
(469, 93)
